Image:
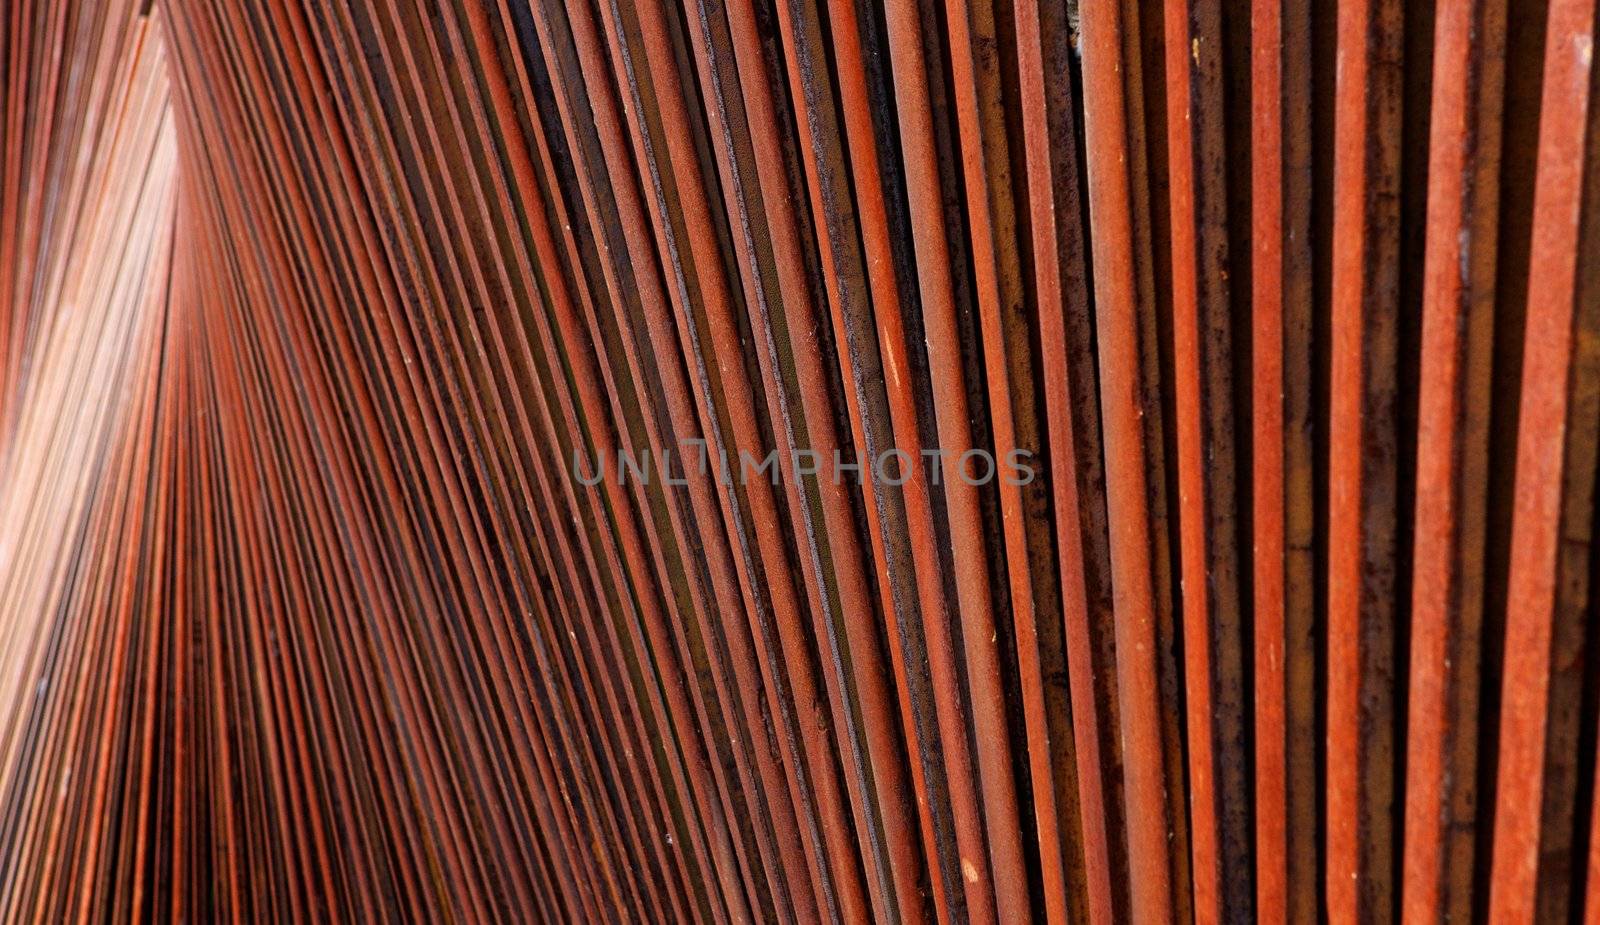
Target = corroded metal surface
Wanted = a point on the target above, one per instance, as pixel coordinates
(799, 460)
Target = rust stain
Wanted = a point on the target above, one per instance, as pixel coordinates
(798, 460)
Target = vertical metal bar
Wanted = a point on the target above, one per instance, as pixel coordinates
(1452, 460)
(1281, 444)
(1552, 524)
(1129, 394)
(1362, 463)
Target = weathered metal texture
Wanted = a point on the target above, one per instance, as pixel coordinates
(388, 529)
(1202, 347)
(1537, 827)
(1282, 469)
(1452, 462)
(1086, 784)
(1135, 475)
(1363, 462)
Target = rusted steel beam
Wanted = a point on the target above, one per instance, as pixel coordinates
(1086, 782)
(1452, 460)
(1213, 615)
(861, 369)
(1363, 456)
(1283, 527)
(992, 227)
(1535, 832)
(991, 890)
(1119, 226)
(920, 643)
